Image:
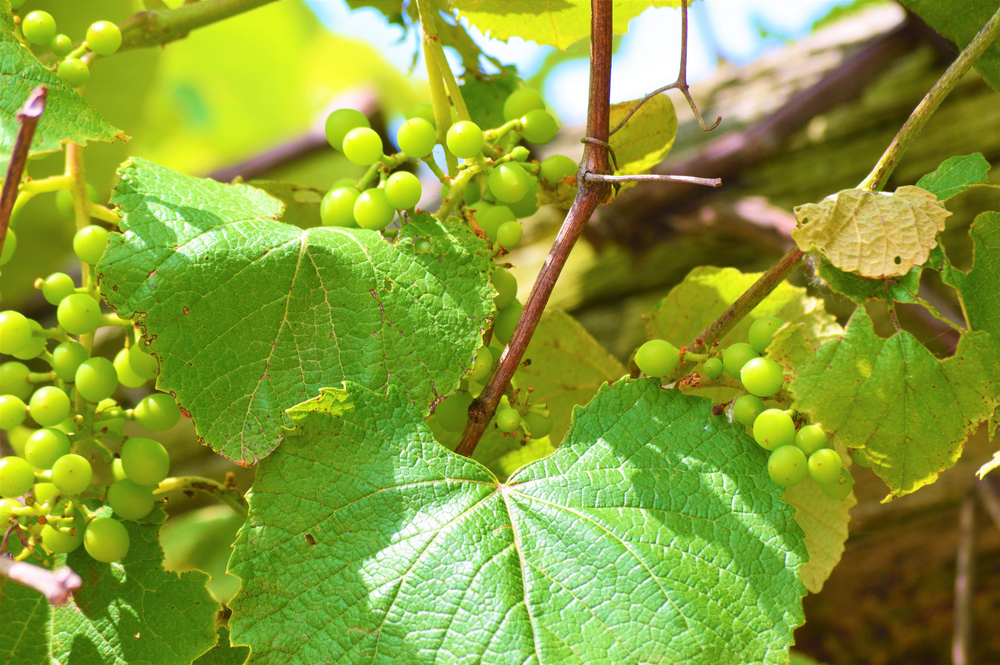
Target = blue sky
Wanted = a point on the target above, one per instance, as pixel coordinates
(730, 28)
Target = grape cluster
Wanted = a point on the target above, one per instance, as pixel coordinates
(66, 428)
(103, 38)
(495, 185)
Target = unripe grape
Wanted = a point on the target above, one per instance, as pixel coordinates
(115, 426)
(66, 539)
(89, 243)
(129, 500)
(787, 466)
(520, 103)
(49, 406)
(465, 139)
(713, 368)
(363, 146)
(840, 488)
(9, 247)
(538, 425)
(762, 376)
(96, 379)
(528, 205)
(860, 458)
(373, 211)
(74, 72)
(43, 492)
(506, 287)
(16, 477)
(126, 376)
(736, 356)
(810, 438)
(141, 362)
(79, 314)
(106, 540)
(657, 358)
(104, 38)
(67, 358)
(337, 207)
(403, 190)
(15, 331)
(762, 332)
(14, 380)
(746, 409)
(774, 428)
(61, 46)
(146, 462)
(12, 411)
(57, 286)
(45, 446)
(72, 474)
(481, 367)
(506, 320)
(509, 183)
(539, 127)
(555, 168)
(7, 508)
(453, 411)
(157, 412)
(64, 201)
(493, 218)
(341, 122)
(416, 137)
(38, 27)
(33, 349)
(508, 420)
(509, 234)
(825, 465)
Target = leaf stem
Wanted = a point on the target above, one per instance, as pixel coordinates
(226, 494)
(28, 116)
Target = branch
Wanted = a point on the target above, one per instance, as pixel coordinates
(161, 26)
(54, 585)
(930, 103)
(965, 569)
(589, 195)
(707, 182)
(28, 116)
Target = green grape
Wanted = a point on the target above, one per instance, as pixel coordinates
(15, 331)
(157, 412)
(840, 488)
(117, 471)
(416, 137)
(506, 287)
(519, 154)
(104, 38)
(508, 420)
(453, 411)
(860, 458)
(363, 146)
(89, 244)
(787, 466)
(67, 539)
(16, 477)
(774, 428)
(762, 332)
(493, 218)
(422, 245)
(79, 314)
(43, 492)
(46, 446)
(57, 286)
(506, 320)
(465, 139)
(96, 379)
(402, 190)
(810, 438)
(657, 358)
(146, 462)
(528, 205)
(141, 362)
(478, 209)
(736, 356)
(38, 27)
(114, 426)
(9, 247)
(509, 183)
(762, 376)
(538, 425)
(49, 406)
(509, 234)
(67, 426)
(32, 349)
(373, 211)
(72, 474)
(106, 540)
(64, 202)
(341, 122)
(555, 168)
(425, 111)
(472, 192)
(18, 438)
(539, 127)
(61, 46)
(126, 376)
(480, 368)
(12, 411)
(74, 72)
(520, 102)
(129, 500)
(67, 358)
(14, 380)
(7, 508)
(337, 207)
(713, 368)
(825, 465)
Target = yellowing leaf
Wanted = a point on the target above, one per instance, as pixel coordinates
(824, 521)
(872, 234)
(647, 136)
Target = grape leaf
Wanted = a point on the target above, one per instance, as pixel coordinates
(558, 24)
(485, 96)
(25, 614)
(646, 138)
(249, 316)
(824, 521)
(979, 288)
(224, 653)
(960, 21)
(955, 175)
(652, 534)
(67, 117)
(859, 289)
(871, 233)
(124, 613)
(909, 411)
(301, 203)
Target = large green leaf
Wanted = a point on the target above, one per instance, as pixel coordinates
(652, 535)
(960, 21)
(980, 288)
(123, 614)
(909, 411)
(955, 175)
(249, 316)
(67, 117)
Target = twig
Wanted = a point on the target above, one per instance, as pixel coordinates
(708, 182)
(965, 569)
(226, 494)
(929, 104)
(680, 84)
(589, 195)
(161, 26)
(28, 116)
(54, 585)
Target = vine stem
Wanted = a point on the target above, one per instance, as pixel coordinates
(875, 181)
(930, 103)
(28, 116)
(55, 585)
(161, 26)
(589, 195)
(226, 494)
(708, 182)
(435, 78)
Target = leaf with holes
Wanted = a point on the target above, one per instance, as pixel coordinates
(652, 534)
(249, 316)
(871, 233)
(646, 138)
